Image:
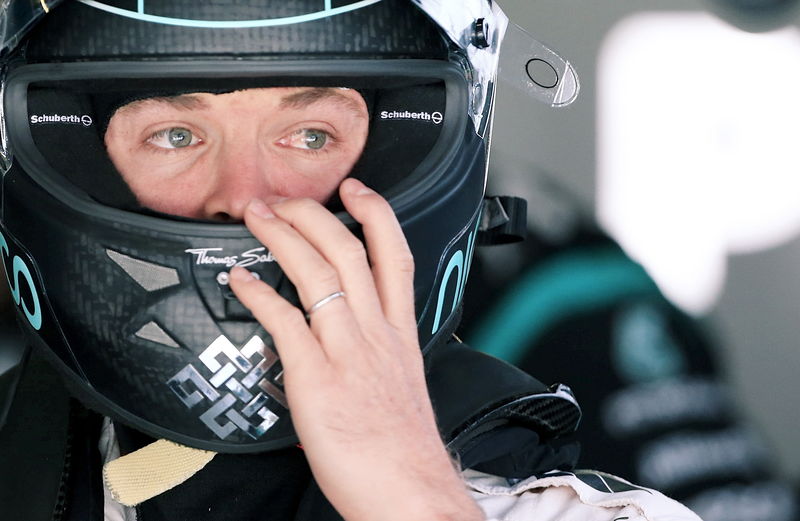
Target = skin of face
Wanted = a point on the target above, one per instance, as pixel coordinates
(206, 156)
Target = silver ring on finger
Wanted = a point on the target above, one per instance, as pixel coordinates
(330, 298)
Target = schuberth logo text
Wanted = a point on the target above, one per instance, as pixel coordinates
(434, 117)
(69, 119)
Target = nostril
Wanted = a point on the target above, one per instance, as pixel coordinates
(224, 217)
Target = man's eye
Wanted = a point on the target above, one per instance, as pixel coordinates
(306, 138)
(175, 137)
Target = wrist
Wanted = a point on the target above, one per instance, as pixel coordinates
(429, 489)
(436, 496)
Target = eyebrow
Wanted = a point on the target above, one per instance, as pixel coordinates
(180, 102)
(296, 100)
(313, 95)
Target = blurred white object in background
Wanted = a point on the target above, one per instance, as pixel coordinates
(698, 146)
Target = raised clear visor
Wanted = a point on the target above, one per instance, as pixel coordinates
(482, 30)
(537, 70)
(17, 16)
(476, 27)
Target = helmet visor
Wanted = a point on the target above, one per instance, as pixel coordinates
(62, 120)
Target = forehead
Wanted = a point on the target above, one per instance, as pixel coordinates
(285, 98)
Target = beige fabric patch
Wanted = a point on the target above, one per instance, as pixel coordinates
(152, 470)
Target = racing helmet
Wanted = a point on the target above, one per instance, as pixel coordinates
(133, 305)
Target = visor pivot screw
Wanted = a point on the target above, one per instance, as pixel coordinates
(542, 73)
(480, 34)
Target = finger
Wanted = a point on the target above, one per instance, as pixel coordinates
(315, 279)
(389, 254)
(286, 324)
(313, 276)
(346, 253)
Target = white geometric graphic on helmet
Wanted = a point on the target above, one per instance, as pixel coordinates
(230, 384)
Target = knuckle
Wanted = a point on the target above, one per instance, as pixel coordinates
(353, 250)
(405, 262)
(293, 317)
(328, 278)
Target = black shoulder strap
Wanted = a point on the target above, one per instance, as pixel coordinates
(489, 412)
(470, 389)
(33, 446)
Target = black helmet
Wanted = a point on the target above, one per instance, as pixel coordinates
(133, 305)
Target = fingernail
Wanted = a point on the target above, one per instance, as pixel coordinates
(242, 275)
(260, 209)
(356, 187)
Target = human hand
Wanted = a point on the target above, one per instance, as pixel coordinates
(354, 375)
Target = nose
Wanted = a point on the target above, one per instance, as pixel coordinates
(241, 174)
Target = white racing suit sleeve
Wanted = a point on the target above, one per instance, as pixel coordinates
(581, 495)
